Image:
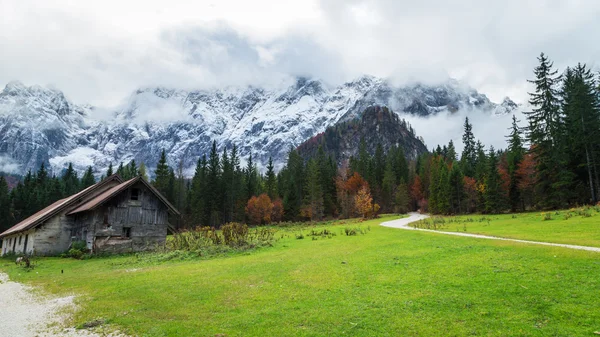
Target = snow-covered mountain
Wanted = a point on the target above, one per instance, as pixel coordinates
(40, 125)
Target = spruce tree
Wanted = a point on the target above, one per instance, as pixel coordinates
(546, 134)
(493, 191)
(226, 186)
(444, 189)
(402, 198)
(389, 186)
(456, 189)
(88, 178)
(70, 181)
(581, 107)
(313, 203)
(213, 176)
(132, 169)
(270, 181)
(142, 172)
(515, 154)
(109, 171)
(469, 154)
(293, 185)
(122, 172)
(161, 174)
(451, 152)
(197, 193)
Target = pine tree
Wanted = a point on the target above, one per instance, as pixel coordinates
(444, 190)
(109, 171)
(251, 178)
(402, 198)
(293, 185)
(451, 155)
(493, 192)
(161, 174)
(197, 193)
(238, 201)
(545, 132)
(121, 170)
(70, 181)
(456, 189)
(142, 172)
(88, 178)
(389, 186)
(313, 203)
(132, 169)
(581, 106)
(469, 154)
(515, 155)
(213, 176)
(271, 182)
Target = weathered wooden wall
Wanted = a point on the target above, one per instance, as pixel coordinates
(147, 218)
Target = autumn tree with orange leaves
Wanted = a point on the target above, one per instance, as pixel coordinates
(259, 210)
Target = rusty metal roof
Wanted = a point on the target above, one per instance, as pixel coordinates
(43, 215)
(108, 194)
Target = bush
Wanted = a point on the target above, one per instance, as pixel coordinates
(209, 239)
(235, 234)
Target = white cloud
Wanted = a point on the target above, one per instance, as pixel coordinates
(8, 165)
(99, 52)
(441, 128)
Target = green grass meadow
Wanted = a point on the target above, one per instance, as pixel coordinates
(578, 226)
(386, 282)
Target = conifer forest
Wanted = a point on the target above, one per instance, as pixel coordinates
(551, 161)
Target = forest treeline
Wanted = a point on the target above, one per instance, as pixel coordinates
(550, 163)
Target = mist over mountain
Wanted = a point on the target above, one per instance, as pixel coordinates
(40, 125)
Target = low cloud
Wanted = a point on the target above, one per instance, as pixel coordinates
(491, 130)
(8, 165)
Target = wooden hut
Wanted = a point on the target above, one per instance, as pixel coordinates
(112, 216)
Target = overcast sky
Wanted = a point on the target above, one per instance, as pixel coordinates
(99, 51)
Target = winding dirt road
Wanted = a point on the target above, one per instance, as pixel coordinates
(404, 223)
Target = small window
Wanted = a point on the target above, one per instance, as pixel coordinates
(127, 232)
(135, 194)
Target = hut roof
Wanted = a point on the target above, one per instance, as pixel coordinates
(58, 206)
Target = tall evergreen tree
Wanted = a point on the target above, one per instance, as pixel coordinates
(271, 180)
(109, 171)
(313, 203)
(545, 132)
(142, 172)
(88, 178)
(493, 191)
(161, 174)
(514, 156)
(197, 193)
(581, 106)
(469, 154)
(70, 181)
(213, 176)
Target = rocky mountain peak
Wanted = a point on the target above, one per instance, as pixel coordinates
(41, 125)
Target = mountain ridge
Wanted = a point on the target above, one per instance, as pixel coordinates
(41, 125)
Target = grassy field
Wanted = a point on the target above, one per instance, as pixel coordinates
(386, 282)
(579, 226)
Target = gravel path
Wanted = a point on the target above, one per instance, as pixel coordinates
(26, 314)
(404, 224)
